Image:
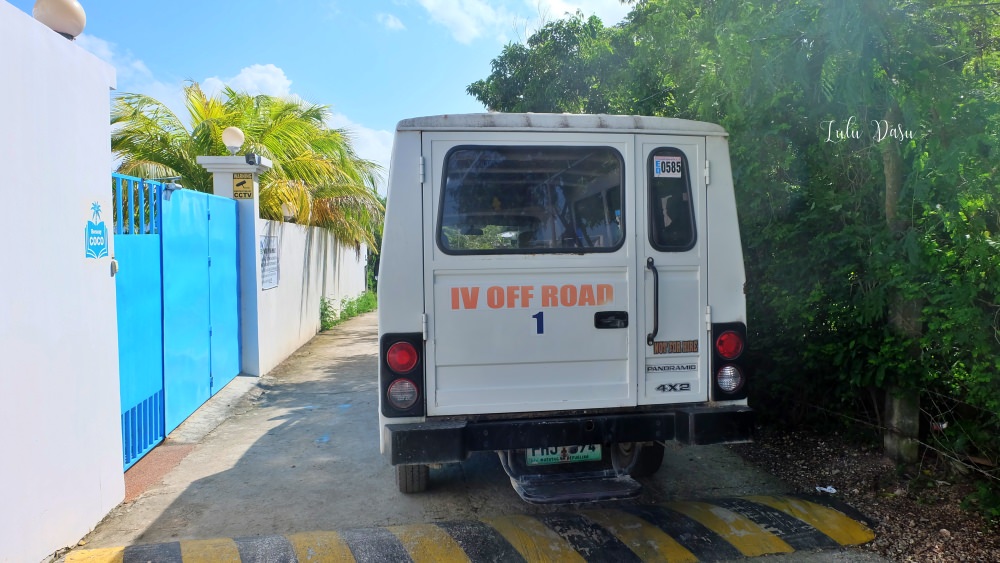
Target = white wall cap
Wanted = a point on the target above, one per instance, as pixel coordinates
(233, 164)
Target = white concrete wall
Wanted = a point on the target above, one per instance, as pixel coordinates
(59, 425)
(312, 265)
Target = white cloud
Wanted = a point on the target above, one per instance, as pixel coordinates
(369, 144)
(133, 76)
(103, 49)
(610, 12)
(467, 20)
(390, 22)
(332, 10)
(254, 79)
(127, 67)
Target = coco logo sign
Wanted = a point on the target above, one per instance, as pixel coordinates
(96, 234)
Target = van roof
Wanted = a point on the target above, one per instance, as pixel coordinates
(559, 122)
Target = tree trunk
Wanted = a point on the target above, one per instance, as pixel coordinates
(902, 406)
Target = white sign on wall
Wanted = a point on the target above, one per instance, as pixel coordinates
(269, 270)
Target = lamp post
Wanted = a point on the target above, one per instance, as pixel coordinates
(237, 177)
(65, 17)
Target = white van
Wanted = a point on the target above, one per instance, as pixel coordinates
(565, 290)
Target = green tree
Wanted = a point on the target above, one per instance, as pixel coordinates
(316, 173)
(872, 263)
(573, 65)
(781, 78)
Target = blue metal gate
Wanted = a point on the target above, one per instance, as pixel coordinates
(178, 307)
(140, 334)
(224, 290)
(200, 300)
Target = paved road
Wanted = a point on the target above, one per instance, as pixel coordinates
(298, 452)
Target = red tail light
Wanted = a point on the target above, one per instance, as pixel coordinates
(729, 345)
(401, 357)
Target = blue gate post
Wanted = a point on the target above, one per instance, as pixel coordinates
(237, 178)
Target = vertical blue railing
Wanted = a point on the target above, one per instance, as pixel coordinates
(137, 207)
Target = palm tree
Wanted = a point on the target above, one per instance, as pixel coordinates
(316, 174)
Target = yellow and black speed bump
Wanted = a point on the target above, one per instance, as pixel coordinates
(683, 531)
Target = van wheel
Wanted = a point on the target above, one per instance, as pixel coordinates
(412, 478)
(640, 460)
(650, 460)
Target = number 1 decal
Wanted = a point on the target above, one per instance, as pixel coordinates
(539, 322)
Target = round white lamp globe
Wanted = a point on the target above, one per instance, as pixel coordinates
(65, 17)
(233, 138)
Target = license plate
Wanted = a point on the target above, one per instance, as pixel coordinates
(563, 454)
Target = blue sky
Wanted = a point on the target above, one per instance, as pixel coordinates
(373, 62)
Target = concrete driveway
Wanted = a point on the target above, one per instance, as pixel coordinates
(297, 451)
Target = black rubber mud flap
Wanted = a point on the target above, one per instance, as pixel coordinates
(570, 483)
(587, 489)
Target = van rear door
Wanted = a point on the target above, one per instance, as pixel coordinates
(672, 255)
(529, 272)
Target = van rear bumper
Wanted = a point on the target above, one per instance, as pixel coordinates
(450, 441)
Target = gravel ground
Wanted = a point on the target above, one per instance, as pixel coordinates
(916, 512)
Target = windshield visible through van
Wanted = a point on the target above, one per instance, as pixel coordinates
(516, 199)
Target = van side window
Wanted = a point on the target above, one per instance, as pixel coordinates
(671, 210)
(527, 200)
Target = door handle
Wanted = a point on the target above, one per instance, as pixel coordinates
(656, 301)
(611, 319)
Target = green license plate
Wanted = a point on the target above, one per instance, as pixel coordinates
(563, 454)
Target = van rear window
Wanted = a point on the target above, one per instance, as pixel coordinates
(671, 211)
(526, 200)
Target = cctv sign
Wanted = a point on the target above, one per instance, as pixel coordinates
(242, 185)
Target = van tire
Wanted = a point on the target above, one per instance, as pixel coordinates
(650, 460)
(412, 478)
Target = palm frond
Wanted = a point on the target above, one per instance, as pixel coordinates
(316, 173)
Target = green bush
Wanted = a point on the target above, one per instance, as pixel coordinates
(330, 317)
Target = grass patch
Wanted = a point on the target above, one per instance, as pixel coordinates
(330, 316)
